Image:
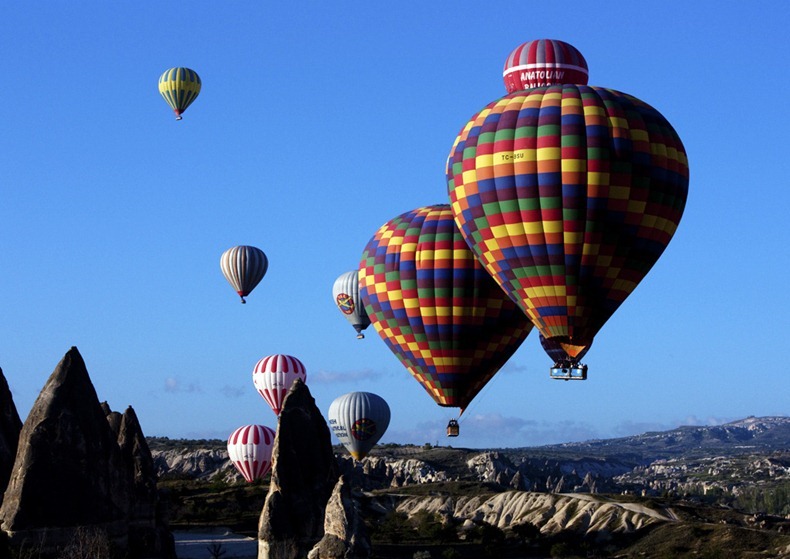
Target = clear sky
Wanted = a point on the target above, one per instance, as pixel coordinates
(317, 123)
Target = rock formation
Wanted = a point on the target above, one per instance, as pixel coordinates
(198, 463)
(10, 426)
(114, 418)
(82, 472)
(149, 535)
(304, 474)
(345, 536)
(581, 513)
(69, 471)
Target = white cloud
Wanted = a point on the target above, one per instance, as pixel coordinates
(495, 431)
(175, 386)
(498, 431)
(233, 391)
(322, 376)
(629, 428)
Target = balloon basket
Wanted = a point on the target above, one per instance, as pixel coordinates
(575, 372)
(453, 428)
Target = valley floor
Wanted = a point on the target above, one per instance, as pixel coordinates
(204, 545)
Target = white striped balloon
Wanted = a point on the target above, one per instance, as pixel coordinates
(345, 291)
(358, 420)
(273, 376)
(244, 267)
(250, 450)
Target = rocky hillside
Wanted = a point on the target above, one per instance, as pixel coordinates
(750, 435)
(745, 463)
(581, 513)
(653, 491)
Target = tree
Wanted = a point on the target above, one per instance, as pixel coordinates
(87, 543)
(526, 532)
(216, 550)
(394, 527)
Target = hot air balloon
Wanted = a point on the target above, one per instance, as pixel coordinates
(250, 450)
(345, 292)
(544, 62)
(435, 306)
(358, 420)
(565, 367)
(273, 376)
(568, 194)
(244, 267)
(180, 87)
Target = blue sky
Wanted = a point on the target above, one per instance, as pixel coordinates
(316, 124)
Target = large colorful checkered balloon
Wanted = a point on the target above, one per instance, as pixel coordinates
(435, 307)
(568, 194)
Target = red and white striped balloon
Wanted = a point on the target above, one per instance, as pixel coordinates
(273, 376)
(544, 62)
(250, 450)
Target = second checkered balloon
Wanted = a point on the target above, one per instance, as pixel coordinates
(435, 306)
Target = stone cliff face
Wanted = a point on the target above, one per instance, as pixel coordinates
(550, 476)
(198, 463)
(10, 426)
(82, 469)
(304, 474)
(68, 455)
(345, 536)
(581, 513)
(377, 473)
(149, 535)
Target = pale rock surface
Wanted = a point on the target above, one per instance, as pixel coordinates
(581, 513)
(344, 528)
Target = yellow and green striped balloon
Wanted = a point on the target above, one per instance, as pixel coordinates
(180, 87)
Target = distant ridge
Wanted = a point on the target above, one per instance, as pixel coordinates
(752, 434)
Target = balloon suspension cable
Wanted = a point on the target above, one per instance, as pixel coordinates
(476, 400)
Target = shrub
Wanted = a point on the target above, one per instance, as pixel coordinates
(87, 543)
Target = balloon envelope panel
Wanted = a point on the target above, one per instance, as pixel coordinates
(557, 353)
(568, 194)
(358, 420)
(436, 308)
